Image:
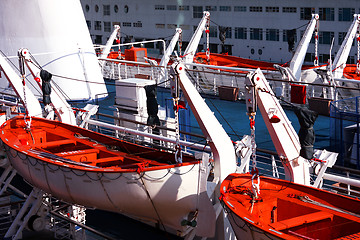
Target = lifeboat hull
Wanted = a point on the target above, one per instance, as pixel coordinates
(284, 210)
(163, 194)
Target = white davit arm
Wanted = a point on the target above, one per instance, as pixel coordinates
(110, 42)
(29, 101)
(343, 53)
(283, 135)
(220, 143)
(170, 48)
(165, 59)
(62, 109)
(299, 55)
(195, 39)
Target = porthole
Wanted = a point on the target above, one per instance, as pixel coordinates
(96, 8)
(252, 51)
(116, 8)
(87, 8)
(260, 51)
(126, 9)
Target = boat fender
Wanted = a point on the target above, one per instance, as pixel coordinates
(152, 105)
(46, 86)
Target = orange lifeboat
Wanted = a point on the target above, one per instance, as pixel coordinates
(285, 210)
(95, 170)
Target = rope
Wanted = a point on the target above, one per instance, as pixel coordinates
(56, 167)
(152, 203)
(308, 200)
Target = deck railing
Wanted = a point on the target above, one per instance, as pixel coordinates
(208, 79)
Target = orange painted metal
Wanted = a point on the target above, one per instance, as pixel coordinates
(79, 145)
(286, 210)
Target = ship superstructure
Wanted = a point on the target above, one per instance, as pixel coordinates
(259, 30)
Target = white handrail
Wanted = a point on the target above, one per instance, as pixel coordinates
(149, 135)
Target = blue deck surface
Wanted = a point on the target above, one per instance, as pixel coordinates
(232, 114)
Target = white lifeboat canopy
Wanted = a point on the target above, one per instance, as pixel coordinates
(58, 36)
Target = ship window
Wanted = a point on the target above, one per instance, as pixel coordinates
(255, 9)
(211, 8)
(256, 34)
(98, 39)
(225, 9)
(224, 32)
(325, 37)
(260, 51)
(324, 58)
(287, 33)
(309, 57)
(159, 7)
(116, 8)
(126, 9)
(184, 8)
(87, 7)
(326, 14)
(213, 47)
(106, 10)
(184, 45)
(252, 51)
(213, 31)
(226, 49)
(228, 33)
(160, 25)
(171, 7)
(107, 26)
(239, 8)
(88, 23)
(272, 9)
(341, 37)
(346, 14)
(289, 9)
(185, 27)
(305, 13)
(351, 60)
(240, 33)
(137, 24)
(96, 8)
(126, 24)
(197, 11)
(272, 34)
(171, 26)
(97, 25)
